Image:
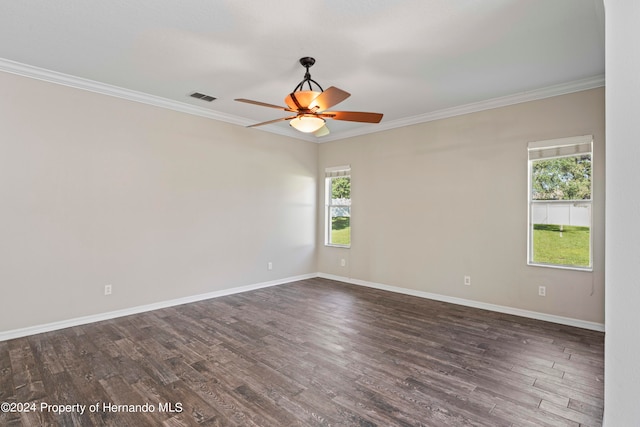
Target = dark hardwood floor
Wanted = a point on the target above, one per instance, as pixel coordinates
(314, 352)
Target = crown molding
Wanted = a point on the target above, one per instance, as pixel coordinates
(504, 101)
(116, 91)
(30, 71)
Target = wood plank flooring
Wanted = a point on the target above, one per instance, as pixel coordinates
(309, 353)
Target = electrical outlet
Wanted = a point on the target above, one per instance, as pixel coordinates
(107, 289)
(343, 262)
(542, 291)
(270, 266)
(467, 280)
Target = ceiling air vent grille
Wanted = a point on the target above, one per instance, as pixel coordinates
(202, 96)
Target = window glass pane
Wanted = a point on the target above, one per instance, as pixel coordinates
(340, 225)
(339, 211)
(560, 244)
(564, 178)
(561, 211)
(341, 190)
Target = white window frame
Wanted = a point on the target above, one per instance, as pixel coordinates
(553, 149)
(331, 173)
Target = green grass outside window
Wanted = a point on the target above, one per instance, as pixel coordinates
(341, 230)
(561, 245)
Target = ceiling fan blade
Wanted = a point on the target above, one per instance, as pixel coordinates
(353, 116)
(262, 104)
(272, 121)
(324, 130)
(329, 98)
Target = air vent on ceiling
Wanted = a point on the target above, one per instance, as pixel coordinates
(202, 96)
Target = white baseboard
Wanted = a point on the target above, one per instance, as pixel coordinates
(475, 304)
(48, 327)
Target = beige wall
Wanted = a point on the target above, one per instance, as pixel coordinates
(437, 201)
(96, 190)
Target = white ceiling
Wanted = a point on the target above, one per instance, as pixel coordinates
(412, 60)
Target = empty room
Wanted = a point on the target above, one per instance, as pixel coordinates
(369, 213)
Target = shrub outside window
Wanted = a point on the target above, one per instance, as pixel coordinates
(560, 203)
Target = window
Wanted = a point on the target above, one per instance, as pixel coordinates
(338, 206)
(560, 201)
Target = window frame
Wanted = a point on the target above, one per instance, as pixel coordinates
(331, 174)
(563, 147)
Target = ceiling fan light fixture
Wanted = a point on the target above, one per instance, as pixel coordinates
(307, 124)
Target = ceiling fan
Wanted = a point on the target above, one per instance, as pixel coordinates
(310, 106)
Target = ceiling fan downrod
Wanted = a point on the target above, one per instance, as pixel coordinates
(307, 62)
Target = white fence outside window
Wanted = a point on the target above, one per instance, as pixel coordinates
(561, 212)
(337, 208)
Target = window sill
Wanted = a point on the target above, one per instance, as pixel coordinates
(561, 267)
